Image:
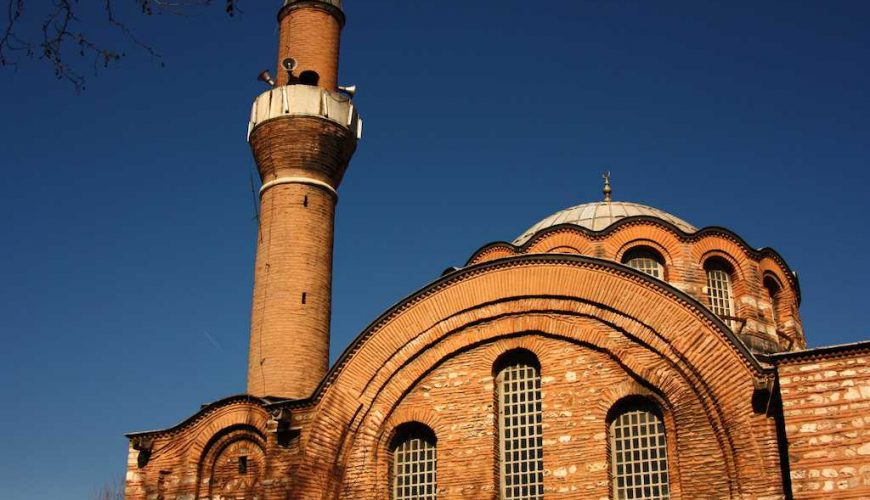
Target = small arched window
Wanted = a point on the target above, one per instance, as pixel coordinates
(719, 292)
(638, 451)
(518, 382)
(414, 463)
(645, 260)
(773, 293)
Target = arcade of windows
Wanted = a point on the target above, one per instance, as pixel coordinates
(719, 274)
(637, 439)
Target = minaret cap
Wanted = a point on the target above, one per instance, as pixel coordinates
(332, 6)
(608, 191)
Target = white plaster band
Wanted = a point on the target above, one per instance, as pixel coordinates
(297, 180)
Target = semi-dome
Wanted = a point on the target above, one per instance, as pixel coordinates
(599, 216)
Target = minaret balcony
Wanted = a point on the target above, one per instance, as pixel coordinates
(305, 100)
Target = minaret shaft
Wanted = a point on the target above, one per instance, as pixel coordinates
(302, 137)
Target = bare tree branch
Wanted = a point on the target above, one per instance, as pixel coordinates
(60, 34)
(113, 490)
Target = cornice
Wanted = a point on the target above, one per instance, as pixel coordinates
(204, 412)
(820, 353)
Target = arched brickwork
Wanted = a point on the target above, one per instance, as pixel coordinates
(654, 335)
(684, 255)
(178, 454)
(660, 249)
(233, 464)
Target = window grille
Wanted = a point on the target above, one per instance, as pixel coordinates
(639, 456)
(520, 432)
(719, 293)
(414, 468)
(645, 261)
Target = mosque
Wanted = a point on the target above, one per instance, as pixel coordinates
(612, 351)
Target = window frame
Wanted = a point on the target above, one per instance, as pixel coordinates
(520, 362)
(641, 404)
(419, 434)
(646, 252)
(719, 268)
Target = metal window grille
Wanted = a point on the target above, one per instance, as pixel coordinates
(719, 293)
(639, 456)
(414, 468)
(520, 432)
(647, 265)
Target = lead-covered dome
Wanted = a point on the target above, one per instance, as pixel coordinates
(599, 216)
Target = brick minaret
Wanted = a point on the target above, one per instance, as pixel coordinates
(303, 133)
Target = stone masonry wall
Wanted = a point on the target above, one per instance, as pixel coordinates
(826, 405)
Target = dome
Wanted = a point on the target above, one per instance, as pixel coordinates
(599, 216)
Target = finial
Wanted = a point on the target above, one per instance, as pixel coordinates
(608, 191)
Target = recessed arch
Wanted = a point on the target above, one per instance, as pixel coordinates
(233, 463)
(548, 294)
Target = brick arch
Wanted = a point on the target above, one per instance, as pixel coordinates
(741, 270)
(639, 318)
(564, 249)
(493, 252)
(178, 452)
(768, 265)
(663, 239)
(567, 238)
(214, 476)
(380, 452)
(506, 342)
(191, 438)
(630, 245)
(724, 256)
(733, 253)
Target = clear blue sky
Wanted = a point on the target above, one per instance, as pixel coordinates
(127, 237)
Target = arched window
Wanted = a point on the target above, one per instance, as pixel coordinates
(638, 451)
(518, 382)
(719, 292)
(645, 260)
(414, 463)
(773, 292)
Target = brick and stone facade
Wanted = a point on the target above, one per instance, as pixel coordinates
(826, 407)
(746, 411)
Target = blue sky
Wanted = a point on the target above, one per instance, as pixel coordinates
(126, 212)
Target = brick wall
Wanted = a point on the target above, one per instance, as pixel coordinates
(826, 405)
(311, 35)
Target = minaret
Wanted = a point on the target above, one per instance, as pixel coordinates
(303, 133)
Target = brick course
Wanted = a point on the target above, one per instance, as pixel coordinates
(826, 404)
